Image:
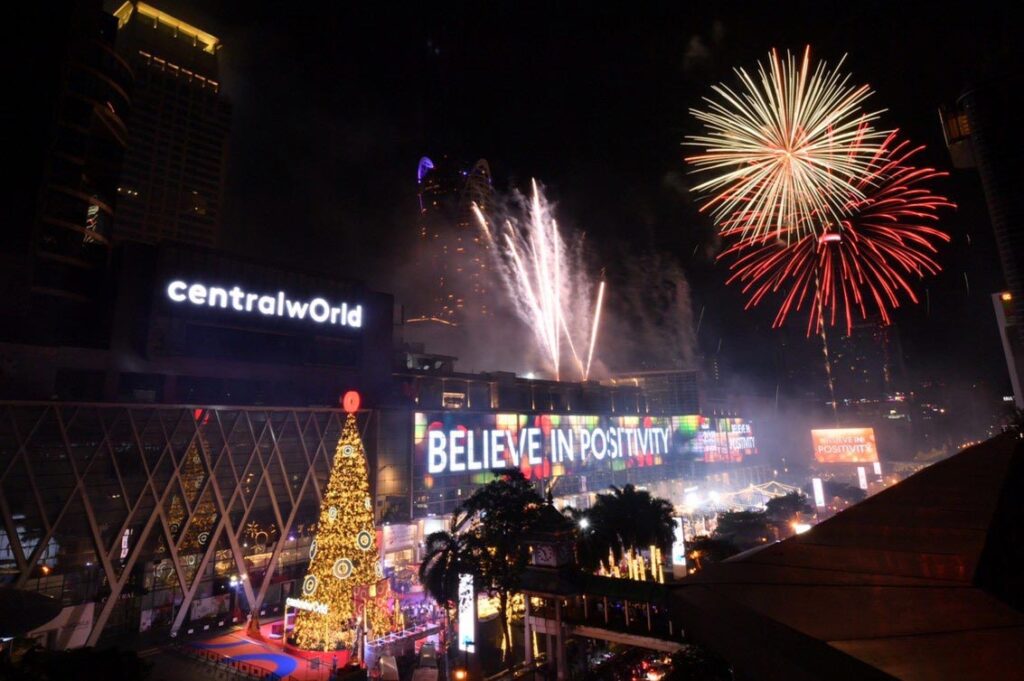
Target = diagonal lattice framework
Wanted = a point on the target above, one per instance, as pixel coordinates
(97, 488)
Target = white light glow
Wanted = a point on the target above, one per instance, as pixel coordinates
(467, 614)
(819, 492)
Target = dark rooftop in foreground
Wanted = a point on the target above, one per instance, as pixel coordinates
(922, 581)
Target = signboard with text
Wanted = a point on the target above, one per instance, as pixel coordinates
(454, 449)
(844, 445)
(453, 443)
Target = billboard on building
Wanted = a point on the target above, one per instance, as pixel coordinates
(844, 445)
(541, 445)
(717, 439)
(454, 451)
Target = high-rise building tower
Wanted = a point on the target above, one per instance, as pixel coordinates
(983, 131)
(173, 180)
(449, 232)
(1004, 305)
(57, 227)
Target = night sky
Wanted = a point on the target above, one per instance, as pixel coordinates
(332, 110)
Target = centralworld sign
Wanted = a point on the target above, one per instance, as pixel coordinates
(278, 304)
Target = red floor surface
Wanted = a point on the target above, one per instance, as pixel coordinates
(269, 655)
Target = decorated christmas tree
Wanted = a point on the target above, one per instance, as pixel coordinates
(344, 560)
(204, 513)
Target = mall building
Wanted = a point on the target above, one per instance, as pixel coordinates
(167, 479)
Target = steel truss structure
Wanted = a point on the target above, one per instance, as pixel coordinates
(109, 489)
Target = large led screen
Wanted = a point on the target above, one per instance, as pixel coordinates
(454, 443)
(717, 439)
(844, 445)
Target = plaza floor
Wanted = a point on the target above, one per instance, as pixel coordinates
(267, 652)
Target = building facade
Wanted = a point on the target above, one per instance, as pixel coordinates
(173, 180)
(983, 132)
(58, 240)
(169, 483)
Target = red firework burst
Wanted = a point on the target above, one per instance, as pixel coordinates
(862, 263)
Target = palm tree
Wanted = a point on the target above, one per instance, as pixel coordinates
(501, 513)
(595, 538)
(629, 519)
(448, 556)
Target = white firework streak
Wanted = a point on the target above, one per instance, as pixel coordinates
(546, 281)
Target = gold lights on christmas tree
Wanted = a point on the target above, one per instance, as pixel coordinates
(194, 540)
(344, 565)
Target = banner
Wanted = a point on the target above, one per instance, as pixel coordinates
(844, 445)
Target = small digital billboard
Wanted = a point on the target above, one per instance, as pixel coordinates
(717, 439)
(844, 445)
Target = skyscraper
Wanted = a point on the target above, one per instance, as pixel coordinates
(57, 236)
(1004, 305)
(172, 185)
(983, 131)
(450, 235)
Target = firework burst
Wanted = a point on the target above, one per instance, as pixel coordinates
(790, 144)
(547, 283)
(859, 265)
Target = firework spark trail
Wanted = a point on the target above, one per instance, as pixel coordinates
(861, 263)
(546, 282)
(593, 329)
(788, 145)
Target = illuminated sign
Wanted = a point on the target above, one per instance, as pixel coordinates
(844, 445)
(537, 443)
(302, 604)
(678, 544)
(479, 445)
(467, 614)
(819, 492)
(717, 439)
(317, 309)
(862, 477)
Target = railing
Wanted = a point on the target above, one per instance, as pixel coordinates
(661, 626)
(521, 670)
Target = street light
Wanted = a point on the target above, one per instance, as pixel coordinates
(461, 675)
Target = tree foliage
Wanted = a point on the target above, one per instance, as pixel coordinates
(851, 494)
(623, 520)
(744, 529)
(487, 540)
(697, 663)
(782, 510)
(703, 550)
(448, 554)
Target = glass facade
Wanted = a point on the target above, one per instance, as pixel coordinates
(164, 518)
